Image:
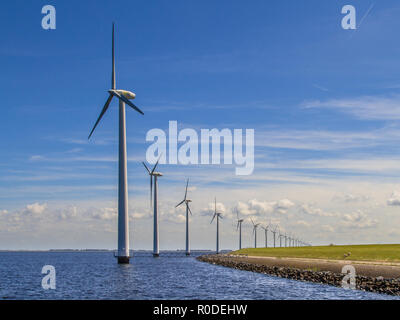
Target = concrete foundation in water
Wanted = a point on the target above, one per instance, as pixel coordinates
(123, 260)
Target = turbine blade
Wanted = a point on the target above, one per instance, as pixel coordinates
(213, 218)
(155, 166)
(179, 203)
(101, 114)
(215, 206)
(113, 85)
(190, 210)
(124, 99)
(187, 183)
(146, 167)
(237, 226)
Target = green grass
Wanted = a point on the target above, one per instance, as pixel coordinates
(374, 252)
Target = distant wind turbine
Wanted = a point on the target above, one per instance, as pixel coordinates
(154, 176)
(255, 226)
(218, 215)
(266, 235)
(123, 219)
(239, 227)
(280, 238)
(186, 201)
(274, 230)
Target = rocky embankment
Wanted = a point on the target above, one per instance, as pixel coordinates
(377, 285)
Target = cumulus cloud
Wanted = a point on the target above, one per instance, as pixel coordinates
(348, 198)
(358, 220)
(309, 209)
(209, 210)
(255, 207)
(282, 206)
(35, 208)
(105, 214)
(394, 199)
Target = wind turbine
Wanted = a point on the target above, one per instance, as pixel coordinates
(239, 227)
(280, 238)
(154, 176)
(286, 237)
(274, 233)
(255, 225)
(218, 215)
(123, 219)
(186, 201)
(266, 234)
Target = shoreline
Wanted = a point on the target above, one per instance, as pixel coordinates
(374, 277)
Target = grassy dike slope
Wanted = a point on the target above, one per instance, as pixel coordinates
(373, 252)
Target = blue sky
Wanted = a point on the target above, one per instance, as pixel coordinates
(324, 103)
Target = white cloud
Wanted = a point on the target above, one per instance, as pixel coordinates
(358, 220)
(209, 210)
(282, 206)
(364, 107)
(309, 209)
(348, 198)
(35, 208)
(394, 199)
(105, 213)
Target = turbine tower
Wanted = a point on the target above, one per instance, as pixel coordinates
(255, 225)
(266, 235)
(186, 201)
(274, 233)
(218, 215)
(280, 235)
(154, 175)
(239, 227)
(124, 97)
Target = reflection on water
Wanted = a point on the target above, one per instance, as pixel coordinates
(96, 275)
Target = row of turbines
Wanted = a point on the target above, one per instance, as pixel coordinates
(290, 240)
(123, 255)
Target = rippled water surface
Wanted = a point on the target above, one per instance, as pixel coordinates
(96, 275)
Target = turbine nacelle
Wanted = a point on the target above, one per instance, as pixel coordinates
(127, 94)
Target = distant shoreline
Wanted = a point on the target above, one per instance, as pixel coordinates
(374, 277)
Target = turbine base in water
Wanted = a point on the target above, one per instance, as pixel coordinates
(156, 255)
(123, 260)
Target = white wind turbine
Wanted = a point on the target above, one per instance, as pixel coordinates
(218, 215)
(274, 230)
(255, 226)
(154, 175)
(266, 234)
(123, 219)
(280, 237)
(286, 237)
(239, 227)
(186, 202)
